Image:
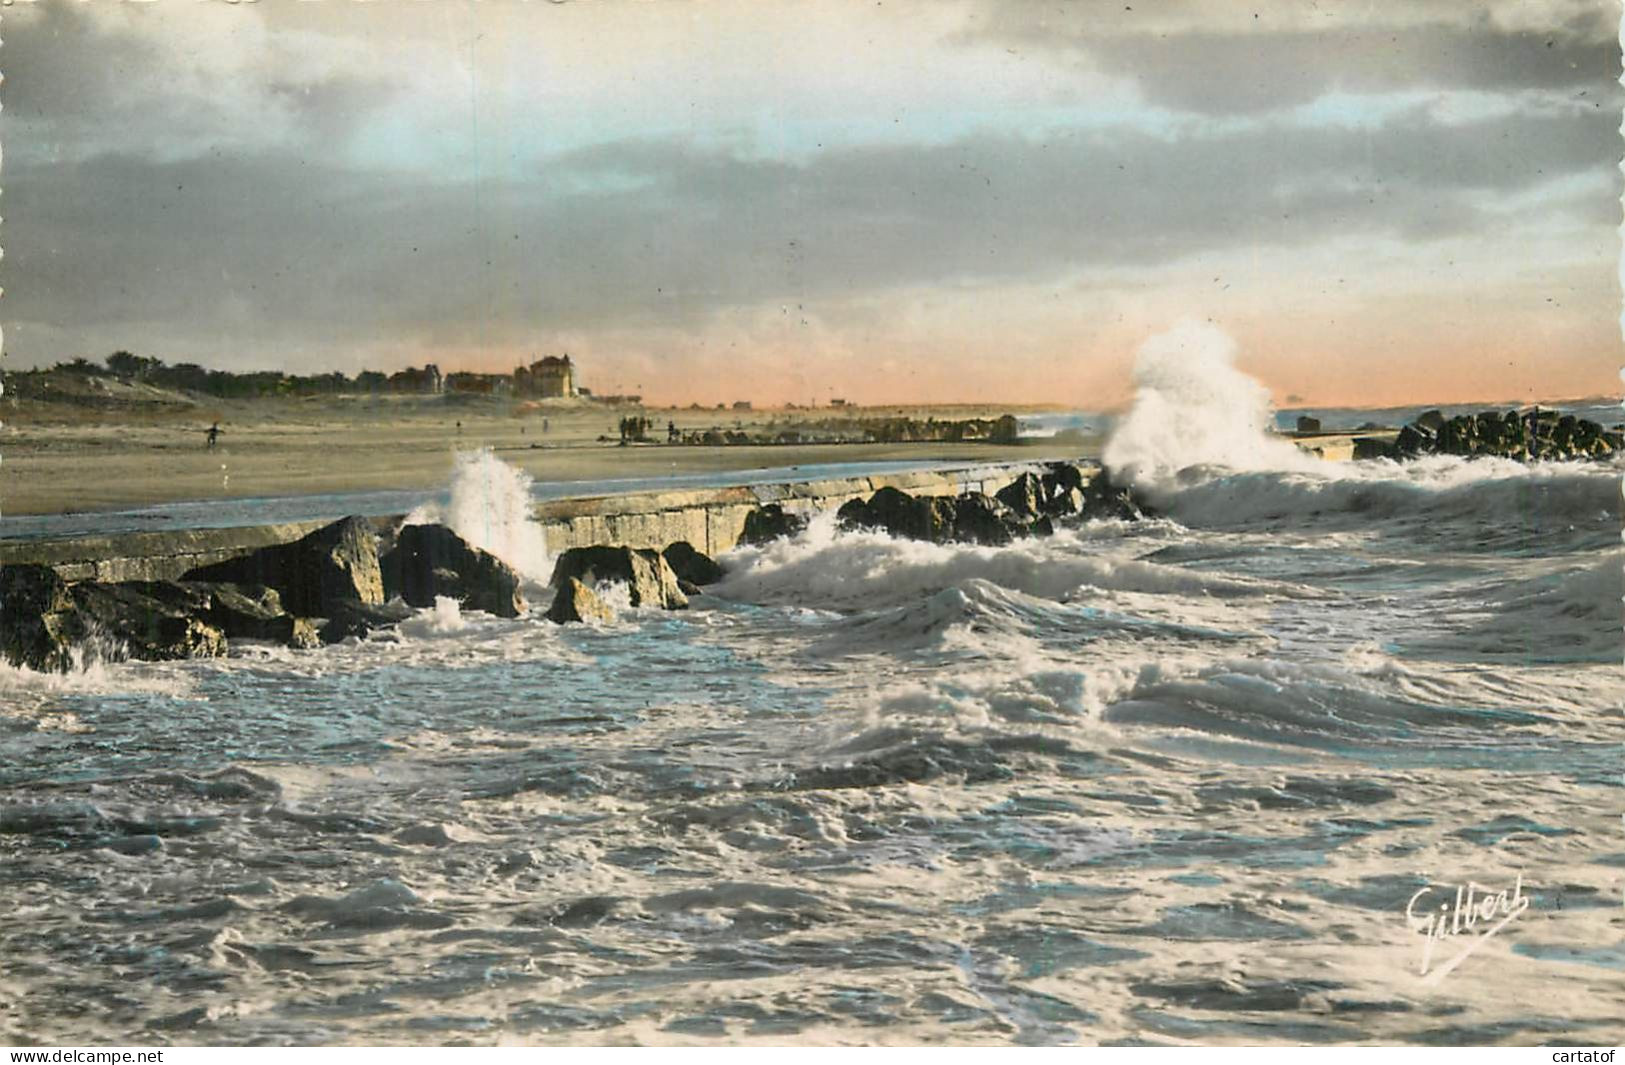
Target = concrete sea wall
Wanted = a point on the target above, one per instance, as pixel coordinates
(711, 519)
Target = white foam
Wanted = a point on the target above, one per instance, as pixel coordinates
(490, 507)
(1194, 408)
(870, 570)
(445, 618)
(1196, 446)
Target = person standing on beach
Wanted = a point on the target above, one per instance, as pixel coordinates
(214, 434)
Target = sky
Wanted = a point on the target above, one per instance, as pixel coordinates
(789, 201)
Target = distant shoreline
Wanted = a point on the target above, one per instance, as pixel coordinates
(276, 448)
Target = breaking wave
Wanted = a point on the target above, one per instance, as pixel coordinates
(489, 505)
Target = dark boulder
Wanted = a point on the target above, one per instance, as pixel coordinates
(901, 515)
(980, 519)
(147, 627)
(1431, 421)
(970, 518)
(768, 523)
(1065, 476)
(252, 613)
(1536, 434)
(334, 564)
(256, 613)
(187, 597)
(37, 619)
(1372, 447)
(575, 602)
(1104, 500)
(1024, 496)
(350, 617)
(648, 577)
(691, 564)
(853, 514)
(431, 560)
(1413, 440)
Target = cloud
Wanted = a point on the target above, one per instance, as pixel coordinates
(85, 80)
(659, 231)
(1216, 60)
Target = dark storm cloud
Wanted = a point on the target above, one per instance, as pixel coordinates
(78, 85)
(1265, 66)
(255, 252)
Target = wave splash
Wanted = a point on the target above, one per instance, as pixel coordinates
(1196, 445)
(489, 506)
(1194, 408)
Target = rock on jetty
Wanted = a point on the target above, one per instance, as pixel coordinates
(575, 602)
(647, 575)
(768, 523)
(1513, 434)
(1031, 505)
(323, 588)
(428, 561)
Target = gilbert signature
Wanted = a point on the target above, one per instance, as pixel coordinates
(1475, 911)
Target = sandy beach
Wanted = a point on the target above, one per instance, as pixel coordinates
(62, 460)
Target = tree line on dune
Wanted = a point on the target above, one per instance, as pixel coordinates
(255, 384)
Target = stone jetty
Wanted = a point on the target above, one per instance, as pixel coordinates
(193, 593)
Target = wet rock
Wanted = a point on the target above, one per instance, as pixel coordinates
(148, 627)
(980, 519)
(1430, 421)
(185, 597)
(334, 564)
(37, 623)
(256, 613)
(1025, 496)
(969, 518)
(253, 613)
(575, 602)
(1104, 500)
(901, 515)
(1413, 440)
(1062, 477)
(691, 564)
(770, 522)
(431, 560)
(648, 577)
(349, 617)
(1372, 447)
(1536, 434)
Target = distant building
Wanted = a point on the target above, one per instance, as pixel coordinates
(549, 378)
(837, 402)
(486, 384)
(426, 381)
(742, 404)
(1308, 425)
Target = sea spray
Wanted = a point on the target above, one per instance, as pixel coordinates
(489, 505)
(1194, 408)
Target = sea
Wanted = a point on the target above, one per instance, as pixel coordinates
(1318, 753)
